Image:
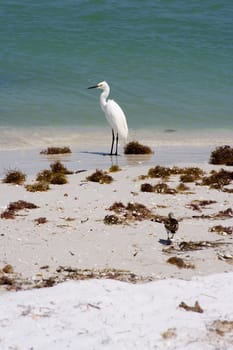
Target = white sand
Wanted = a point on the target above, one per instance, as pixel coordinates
(116, 315)
(75, 235)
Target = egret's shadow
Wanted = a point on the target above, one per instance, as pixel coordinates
(100, 154)
(165, 241)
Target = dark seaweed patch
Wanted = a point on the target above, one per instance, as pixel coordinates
(222, 155)
(39, 186)
(180, 263)
(13, 207)
(131, 212)
(56, 150)
(112, 220)
(41, 220)
(218, 179)
(222, 230)
(189, 174)
(146, 187)
(16, 177)
(134, 147)
(55, 176)
(199, 204)
(159, 188)
(100, 176)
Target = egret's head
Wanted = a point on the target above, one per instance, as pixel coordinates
(103, 85)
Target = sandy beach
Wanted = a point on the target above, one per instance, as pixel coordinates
(75, 235)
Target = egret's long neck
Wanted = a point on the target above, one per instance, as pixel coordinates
(103, 97)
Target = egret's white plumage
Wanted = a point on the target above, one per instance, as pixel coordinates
(113, 113)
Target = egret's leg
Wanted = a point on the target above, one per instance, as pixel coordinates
(113, 139)
(116, 145)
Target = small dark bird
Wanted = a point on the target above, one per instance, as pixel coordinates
(171, 225)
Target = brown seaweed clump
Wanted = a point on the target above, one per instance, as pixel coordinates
(117, 207)
(169, 334)
(13, 207)
(100, 176)
(55, 176)
(221, 215)
(159, 188)
(180, 263)
(222, 230)
(191, 174)
(198, 245)
(39, 186)
(8, 269)
(112, 220)
(15, 176)
(134, 147)
(222, 155)
(182, 187)
(8, 278)
(223, 326)
(195, 308)
(159, 171)
(41, 220)
(164, 188)
(146, 187)
(58, 168)
(218, 179)
(58, 179)
(197, 204)
(56, 150)
(131, 212)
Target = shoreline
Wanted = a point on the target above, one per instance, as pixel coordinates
(31, 161)
(20, 148)
(26, 138)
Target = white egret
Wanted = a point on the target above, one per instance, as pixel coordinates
(171, 225)
(113, 113)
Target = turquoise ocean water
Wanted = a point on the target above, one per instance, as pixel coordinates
(169, 65)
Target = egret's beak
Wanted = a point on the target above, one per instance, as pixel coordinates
(93, 87)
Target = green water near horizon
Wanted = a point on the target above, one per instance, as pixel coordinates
(169, 63)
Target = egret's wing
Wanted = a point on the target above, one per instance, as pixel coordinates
(116, 118)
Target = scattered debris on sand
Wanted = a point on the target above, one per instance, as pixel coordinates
(14, 281)
(222, 230)
(195, 308)
(193, 245)
(180, 263)
(198, 205)
(41, 220)
(169, 334)
(131, 212)
(221, 327)
(14, 207)
(221, 215)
